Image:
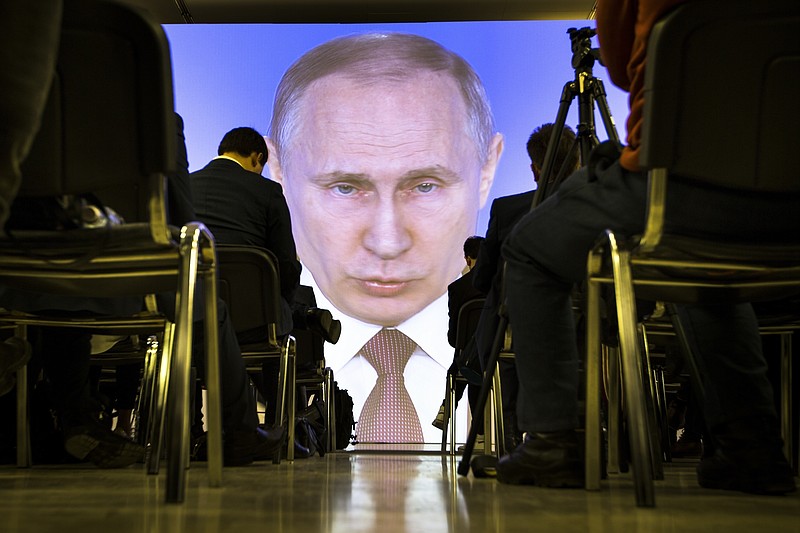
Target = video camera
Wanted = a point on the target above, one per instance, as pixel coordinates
(583, 55)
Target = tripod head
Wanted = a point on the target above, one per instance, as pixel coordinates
(583, 55)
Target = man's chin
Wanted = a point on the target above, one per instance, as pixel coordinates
(381, 313)
(383, 319)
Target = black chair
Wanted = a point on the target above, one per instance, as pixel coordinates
(466, 325)
(697, 125)
(109, 131)
(249, 283)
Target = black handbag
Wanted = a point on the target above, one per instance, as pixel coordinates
(310, 428)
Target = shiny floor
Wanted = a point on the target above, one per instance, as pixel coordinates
(353, 492)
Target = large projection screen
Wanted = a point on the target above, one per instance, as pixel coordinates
(225, 76)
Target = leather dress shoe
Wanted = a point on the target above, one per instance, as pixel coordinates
(87, 438)
(321, 321)
(748, 457)
(243, 447)
(544, 459)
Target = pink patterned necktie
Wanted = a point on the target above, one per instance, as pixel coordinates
(388, 414)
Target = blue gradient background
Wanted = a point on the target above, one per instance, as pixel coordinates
(225, 76)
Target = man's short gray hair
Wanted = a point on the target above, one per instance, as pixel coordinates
(375, 57)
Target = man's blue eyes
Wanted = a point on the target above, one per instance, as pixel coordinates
(347, 190)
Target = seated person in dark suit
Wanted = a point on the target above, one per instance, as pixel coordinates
(240, 206)
(505, 213)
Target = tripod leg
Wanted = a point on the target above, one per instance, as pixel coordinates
(486, 386)
(599, 92)
(567, 95)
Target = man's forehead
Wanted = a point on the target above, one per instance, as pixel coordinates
(383, 76)
(429, 103)
(437, 84)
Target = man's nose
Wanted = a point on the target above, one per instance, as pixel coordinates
(387, 235)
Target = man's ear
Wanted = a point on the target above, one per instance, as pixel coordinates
(255, 160)
(273, 162)
(536, 170)
(490, 167)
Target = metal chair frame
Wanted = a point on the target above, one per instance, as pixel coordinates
(114, 59)
(647, 266)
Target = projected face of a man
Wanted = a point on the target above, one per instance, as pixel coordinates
(384, 183)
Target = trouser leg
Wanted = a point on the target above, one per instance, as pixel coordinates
(29, 35)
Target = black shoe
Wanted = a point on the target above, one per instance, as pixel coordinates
(438, 422)
(770, 474)
(687, 446)
(199, 450)
(321, 321)
(748, 457)
(86, 438)
(14, 354)
(484, 466)
(243, 447)
(545, 460)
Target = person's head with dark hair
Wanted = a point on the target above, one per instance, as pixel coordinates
(471, 248)
(566, 154)
(385, 146)
(246, 146)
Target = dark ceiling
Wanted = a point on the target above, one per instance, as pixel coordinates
(251, 11)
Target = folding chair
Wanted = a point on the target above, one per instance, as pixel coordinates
(696, 125)
(467, 323)
(250, 286)
(109, 130)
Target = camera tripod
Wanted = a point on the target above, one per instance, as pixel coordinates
(588, 90)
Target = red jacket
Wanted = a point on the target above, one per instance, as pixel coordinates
(623, 28)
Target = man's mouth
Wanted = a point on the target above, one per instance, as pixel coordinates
(384, 288)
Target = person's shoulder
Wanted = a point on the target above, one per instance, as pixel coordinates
(513, 199)
(464, 280)
(214, 166)
(272, 187)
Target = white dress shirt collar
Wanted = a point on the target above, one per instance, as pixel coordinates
(428, 329)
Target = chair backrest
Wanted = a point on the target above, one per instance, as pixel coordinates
(109, 123)
(721, 88)
(249, 284)
(468, 317)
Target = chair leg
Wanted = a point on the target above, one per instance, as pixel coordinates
(144, 404)
(446, 420)
(161, 367)
(214, 397)
(632, 371)
(285, 403)
(141, 413)
(23, 422)
(178, 404)
(450, 414)
(614, 392)
(593, 441)
(786, 399)
(181, 367)
(330, 407)
(651, 395)
(500, 434)
(661, 412)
